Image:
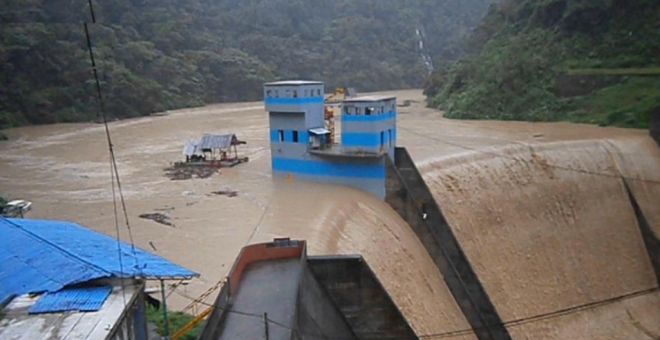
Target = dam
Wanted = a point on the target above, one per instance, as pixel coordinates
(542, 213)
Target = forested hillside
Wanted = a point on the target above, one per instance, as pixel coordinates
(155, 55)
(593, 61)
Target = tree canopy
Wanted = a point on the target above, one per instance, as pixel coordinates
(155, 55)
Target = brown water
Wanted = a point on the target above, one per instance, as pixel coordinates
(540, 239)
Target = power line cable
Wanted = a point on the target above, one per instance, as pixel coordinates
(113, 159)
(470, 331)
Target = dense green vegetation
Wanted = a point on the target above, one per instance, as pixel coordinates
(522, 46)
(155, 55)
(176, 321)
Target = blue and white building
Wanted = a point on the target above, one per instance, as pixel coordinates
(300, 146)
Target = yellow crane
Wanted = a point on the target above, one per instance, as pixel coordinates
(332, 103)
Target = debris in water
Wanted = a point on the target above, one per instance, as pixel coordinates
(407, 103)
(161, 218)
(226, 192)
(180, 172)
(153, 246)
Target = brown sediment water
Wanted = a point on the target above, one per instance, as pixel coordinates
(540, 239)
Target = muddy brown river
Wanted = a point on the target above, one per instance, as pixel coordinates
(539, 208)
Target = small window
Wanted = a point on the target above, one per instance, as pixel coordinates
(347, 110)
(280, 134)
(288, 93)
(295, 94)
(358, 111)
(269, 93)
(390, 135)
(306, 93)
(318, 92)
(382, 138)
(295, 136)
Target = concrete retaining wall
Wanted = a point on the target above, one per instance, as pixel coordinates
(567, 85)
(356, 291)
(213, 325)
(317, 316)
(409, 195)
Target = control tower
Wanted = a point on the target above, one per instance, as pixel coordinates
(300, 143)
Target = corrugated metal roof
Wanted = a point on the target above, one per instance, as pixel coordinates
(191, 148)
(215, 142)
(45, 256)
(369, 99)
(17, 324)
(294, 83)
(72, 299)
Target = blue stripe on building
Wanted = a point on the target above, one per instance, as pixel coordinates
(330, 169)
(303, 137)
(294, 101)
(366, 139)
(371, 118)
(288, 136)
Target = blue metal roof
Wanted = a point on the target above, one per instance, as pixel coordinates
(45, 256)
(72, 299)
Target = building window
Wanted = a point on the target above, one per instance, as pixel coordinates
(382, 138)
(318, 92)
(288, 93)
(280, 134)
(390, 135)
(295, 136)
(306, 93)
(358, 111)
(347, 110)
(295, 94)
(269, 93)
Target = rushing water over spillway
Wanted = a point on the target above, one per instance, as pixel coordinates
(540, 210)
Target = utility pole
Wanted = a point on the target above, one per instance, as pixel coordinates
(266, 325)
(166, 322)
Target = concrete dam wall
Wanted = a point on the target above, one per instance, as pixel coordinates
(543, 238)
(409, 195)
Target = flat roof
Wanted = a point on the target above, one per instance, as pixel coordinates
(18, 324)
(294, 83)
(369, 99)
